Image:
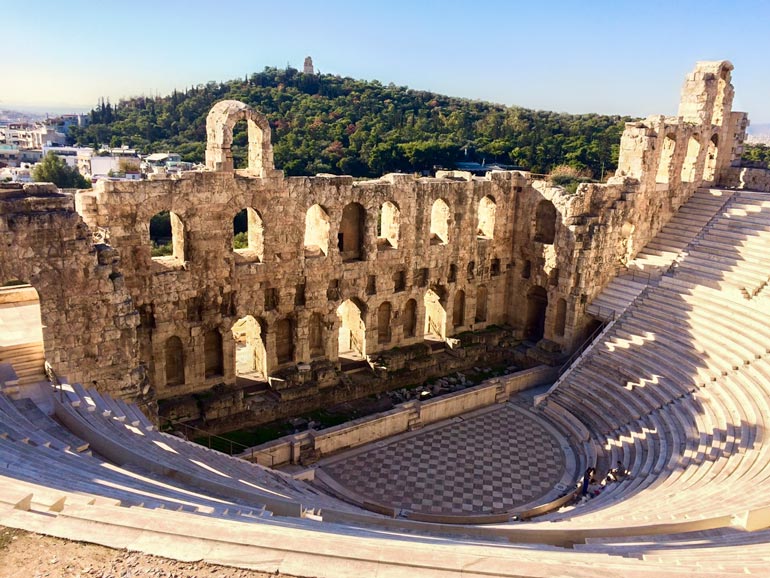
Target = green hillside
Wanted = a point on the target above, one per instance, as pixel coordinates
(326, 123)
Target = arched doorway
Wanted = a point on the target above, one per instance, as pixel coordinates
(174, 350)
(545, 222)
(666, 156)
(383, 322)
(250, 353)
(350, 238)
(410, 318)
(352, 335)
(435, 314)
(21, 331)
(316, 232)
(690, 166)
(709, 173)
(486, 227)
(439, 223)
(388, 226)
(458, 309)
(537, 305)
(212, 351)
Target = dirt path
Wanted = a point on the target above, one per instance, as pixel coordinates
(27, 555)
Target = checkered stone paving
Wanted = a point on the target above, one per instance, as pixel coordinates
(489, 463)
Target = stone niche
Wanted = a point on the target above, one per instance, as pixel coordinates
(343, 278)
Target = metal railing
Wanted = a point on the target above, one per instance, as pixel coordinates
(191, 432)
(586, 344)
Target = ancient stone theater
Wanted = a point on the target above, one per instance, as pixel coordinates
(621, 430)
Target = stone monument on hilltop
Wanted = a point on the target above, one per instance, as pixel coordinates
(307, 68)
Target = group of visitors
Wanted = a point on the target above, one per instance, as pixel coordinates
(591, 485)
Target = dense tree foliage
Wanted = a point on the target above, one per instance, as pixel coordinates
(757, 155)
(326, 123)
(53, 169)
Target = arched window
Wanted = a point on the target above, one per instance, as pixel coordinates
(167, 235)
(212, 348)
(249, 234)
(545, 222)
(174, 361)
(458, 309)
(561, 317)
(350, 238)
(410, 318)
(439, 223)
(690, 166)
(486, 228)
(222, 132)
(284, 341)
(383, 322)
(481, 304)
(388, 226)
(316, 232)
(666, 156)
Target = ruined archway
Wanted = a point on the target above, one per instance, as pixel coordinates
(690, 165)
(481, 304)
(458, 309)
(545, 222)
(249, 234)
(435, 314)
(316, 232)
(486, 226)
(350, 237)
(384, 312)
(709, 173)
(388, 226)
(410, 318)
(666, 156)
(21, 331)
(439, 223)
(175, 357)
(537, 305)
(212, 353)
(284, 340)
(352, 334)
(220, 122)
(250, 352)
(316, 335)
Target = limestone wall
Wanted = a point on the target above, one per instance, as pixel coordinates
(89, 320)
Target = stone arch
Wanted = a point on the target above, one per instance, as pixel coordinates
(250, 335)
(458, 309)
(212, 354)
(350, 237)
(352, 334)
(439, 222)
(482, 296)
(690, 165)
(21, 329)
(316, 232)
(487, 209)
(435, 313)
(284, 340)
(709, 173)
(723, 97)
(167, 236)
(537, 305)
(249, 234)
(561, 317)
(388, 226)
(316, 335)
(410, 318)
(384, 312)
(666, 156)
(545, 222)
(175, 357)
(220, 121)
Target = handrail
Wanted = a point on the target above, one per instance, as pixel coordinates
(583, 346)
(209, 436)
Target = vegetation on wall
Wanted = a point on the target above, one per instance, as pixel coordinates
(326, 123)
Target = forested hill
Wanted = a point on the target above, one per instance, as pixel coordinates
(325, 123)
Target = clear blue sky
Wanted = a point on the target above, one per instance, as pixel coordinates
(575, 56)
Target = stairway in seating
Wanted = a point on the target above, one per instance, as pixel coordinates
(28, 361)
(659, 254)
